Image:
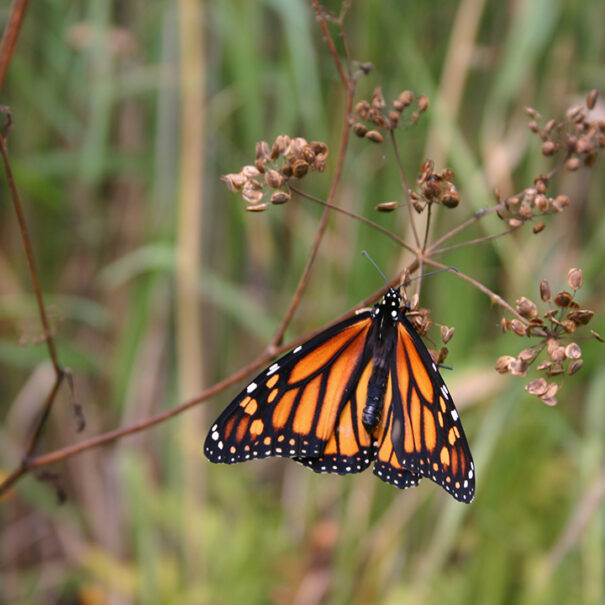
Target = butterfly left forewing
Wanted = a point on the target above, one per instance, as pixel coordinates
(427, 434)
(291, 408)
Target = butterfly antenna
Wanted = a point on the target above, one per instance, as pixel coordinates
(454, 269)
(386, 281)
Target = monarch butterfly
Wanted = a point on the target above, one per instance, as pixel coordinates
(364, 390)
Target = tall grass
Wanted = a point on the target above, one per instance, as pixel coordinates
(98, 94)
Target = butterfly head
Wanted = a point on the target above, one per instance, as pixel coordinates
(389, 305)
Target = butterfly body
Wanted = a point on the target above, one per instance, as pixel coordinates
(363, 391)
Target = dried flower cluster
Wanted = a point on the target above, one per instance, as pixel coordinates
(376, 115)
(579, 138)
(553, 330)
(274, 166)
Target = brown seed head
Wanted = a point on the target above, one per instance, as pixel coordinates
(560, 203)
(536, 387)
(252, 196)
(451, 197)
(574, 279)
(446, 334)
(514, 223)
(378, 98)
(538, 227)
(563, 299)
(591, 99)
(300, 169)
(263, 152)
(518, 367)
(526, 307)
(274, 179)
(527, 355)
(423, 103)
(280, 197)
(406, 97)
(549, 148)
(532, 113)
(374, 136)
(597, 336)
(503, 363)
(573, 351)
(257, 208)
(574, 366)
(398, 105)
(572, 164)
(234, 181)
(386, 206)
(541, 202)
(393, 118)
(549, 126)
(362, 109)
(518, 327)
(545, 292)
(581, 317)
(533, 126)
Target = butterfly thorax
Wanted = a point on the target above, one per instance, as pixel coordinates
(381, 342)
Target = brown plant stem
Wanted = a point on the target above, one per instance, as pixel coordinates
(10, 35)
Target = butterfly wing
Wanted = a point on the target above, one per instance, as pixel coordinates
(426, 434)
(291, 408)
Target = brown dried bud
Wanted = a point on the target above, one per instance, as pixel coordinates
(286, 170)
(377, 118)
(549, 147)
(282, 142)
(503, 363)
(257, 208)
(533, 126)
(518, 367)
(581, 317)
(563, 299)
(504, 325)
(362, 109)
(374, 136)
(541, 186)
(252, 196)
(569, 326)
(574, 366)
(300, 168)
(320, 149)
(574, 279)
(525, 210)
(518, 327)
(557, 353)
(250, 171)
(526, 307)
(541, 202)
(386, 206)
(451, 198)
(398, 105)
(280, 197)
(544, 365)
(536, 387)
(527, 355)
(551, 401)
(560, 203)
(572, 164)
(538, 227)
(446, 334)
(423, 103)
(260, 164)
(406, 97)
(262, 151)
(591, 99)
(234, 181)
(378, 98)
(514, 223)
(597, 336)
(393, 118)
(359, 129)
(532, 113)
(545, 292)
(274, 179)
(573, 351)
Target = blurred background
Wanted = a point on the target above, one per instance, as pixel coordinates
(159, 284)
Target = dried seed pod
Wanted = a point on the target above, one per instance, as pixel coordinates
(591, 99)
(234, 181)
(527, 355)
(557, 354)
(572, 164)
(545, 292)
(406, 97)
(581, 317)
(503, 363)
(551, 401)
(561, 202)
(549, 148)
(549, 126)
(423, 103)
(563, 299)
(569, 326)
(518, 327)
(551, 389)
(374, 136)
(359, 129)
(446, 334)
(319, 148)
(413, 302)
(536, 387)
(386, 206)
(257, 208)
(443, 352)
(252, 196)
(574, 278)
(541, 202)
(518, 367)
(514, 223)
(286, 170)
(250, 171)
(362, 109)
(533, 126)
(274, 179)
(538, 227)
(504, 324)
(525, 210)
(300, 169)
(544, 365)
(377, 118)
(574, 366)
(393, 118)
(526, 307)
(378, 98)
(597, 336)
(398, 105)
(573, 351)
(263, 152)
(532, 113)
(280, 197)
(260, 164)
(434, 355)
(451, 198)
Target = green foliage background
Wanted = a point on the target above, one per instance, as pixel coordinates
(96, 146)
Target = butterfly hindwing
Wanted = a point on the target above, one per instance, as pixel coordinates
(291, 408)
(427, 434)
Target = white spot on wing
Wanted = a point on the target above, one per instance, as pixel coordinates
(298, 348)
(454, 415)
(251, 387)
(444, 390)
(215, 435)
(273, 369)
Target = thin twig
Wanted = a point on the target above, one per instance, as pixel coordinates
(10, 35)
(479, 240)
